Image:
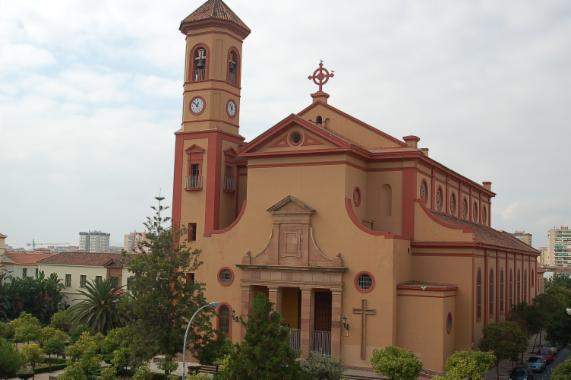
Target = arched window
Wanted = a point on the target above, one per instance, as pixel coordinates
(424, 192)
(465, 209)
(233, 66)
(479, 295)
(484, 215)
(511, 289)
(387, 199)
(224, 316)
(475, 212)
(518, 287)
(199, 62)
(452, 204)
(501, 291)
(319, 120)
(439, 199)
(491, 294)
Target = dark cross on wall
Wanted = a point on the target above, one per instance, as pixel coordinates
(364, 312)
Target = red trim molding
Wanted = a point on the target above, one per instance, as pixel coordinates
(359, 225)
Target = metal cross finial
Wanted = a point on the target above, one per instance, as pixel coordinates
(321, 76)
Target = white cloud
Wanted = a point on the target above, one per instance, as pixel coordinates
(91, 118)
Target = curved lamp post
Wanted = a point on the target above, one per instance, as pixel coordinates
(211, 304)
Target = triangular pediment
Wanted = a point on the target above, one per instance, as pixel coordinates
(291, 205)
(350, 128)
(294, 134)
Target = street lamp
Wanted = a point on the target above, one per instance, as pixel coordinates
(211, 304)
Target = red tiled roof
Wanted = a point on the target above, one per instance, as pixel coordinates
(215, 10)
(26, 258)
(85, 259)
(487, 235)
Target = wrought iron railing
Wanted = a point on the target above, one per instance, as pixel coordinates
(194, 182)
(321, 342)
(295, 339)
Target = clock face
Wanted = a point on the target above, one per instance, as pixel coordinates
(197, 105)
(231, 108)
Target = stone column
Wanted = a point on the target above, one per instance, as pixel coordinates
(245, 301)
(336, 307)
(306, 320)
(275, 297)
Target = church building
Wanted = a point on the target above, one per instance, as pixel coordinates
(360, 239)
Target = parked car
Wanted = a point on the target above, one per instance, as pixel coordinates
(548, 353)
(536, 363)
(521, 373)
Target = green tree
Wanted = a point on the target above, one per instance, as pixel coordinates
(99, 309)
(561, 280)
(73, 372)
(562, 371)
(396, 363)
(142, 373)
(10, 359)
(265, 352)
(529, 317)
(322, 367)
(552, 307)
(163, 299)
(6, 330)
(53, 341)
(86, 345)
(32, 355)
(471, 365)
(62, 320)
(27, 328)
(507, 340)
(40, 296)
(108, 373)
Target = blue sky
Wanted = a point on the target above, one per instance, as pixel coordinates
(90, 96)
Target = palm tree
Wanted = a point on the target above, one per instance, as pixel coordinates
(99, 309)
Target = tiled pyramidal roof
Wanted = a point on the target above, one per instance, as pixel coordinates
(215, 10)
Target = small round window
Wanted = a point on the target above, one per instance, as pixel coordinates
(364, 282)
(295, 138)
(225, 276)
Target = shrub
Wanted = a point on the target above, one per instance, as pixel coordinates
(6, 330)
(322, 367)
(108, 373)
(62, 320)
(32, 355)
(142, 373)
(468, 365)
(396, 363)
(73, 372)
(562, 371)
(10, 359)
(214, 350)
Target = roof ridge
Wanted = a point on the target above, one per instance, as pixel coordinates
(215, 10)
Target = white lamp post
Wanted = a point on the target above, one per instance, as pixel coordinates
(211, 304)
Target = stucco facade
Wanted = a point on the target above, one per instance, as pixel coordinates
(360, 239)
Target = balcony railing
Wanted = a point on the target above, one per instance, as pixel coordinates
(194, 182)
(229, 184)
(321, 342)
(295, 339)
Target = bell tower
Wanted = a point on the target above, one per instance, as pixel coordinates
(207, 194)
(213, 67)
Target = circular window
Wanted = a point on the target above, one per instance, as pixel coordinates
(453, 203)
(225, 276)
(364, 282)
(475, 212)
(439, 199)
(357, 197)
(295, 138)
(465, 209)
(424, 191)
(449, 322)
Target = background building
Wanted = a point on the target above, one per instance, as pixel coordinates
(21, 264)
(545, 258)
(75, 269)
(131, 241)
(94, 241)
(523, 236)
(559, 240)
